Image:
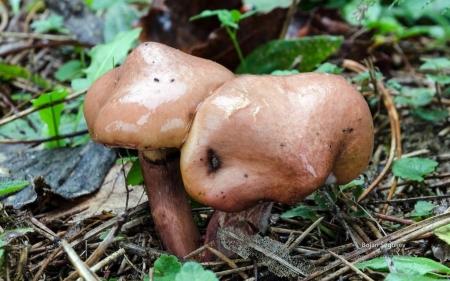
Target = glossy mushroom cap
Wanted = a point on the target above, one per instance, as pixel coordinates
(275, 138)
(149, 101)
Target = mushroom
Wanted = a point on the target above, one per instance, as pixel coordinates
(275, 138)
(148, 104)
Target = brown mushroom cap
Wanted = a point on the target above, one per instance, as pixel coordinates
(275, 138)
(149, 101)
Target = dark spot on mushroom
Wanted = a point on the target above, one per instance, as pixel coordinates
(201, 159)
(171, 80)
(153, 61)
(223, 197)
(330, 146)
(156, 80)
(245, 176)
(347, 130)
(213, 161)
(317, 134)
(146, 44)
(221, 192)
(281, 144)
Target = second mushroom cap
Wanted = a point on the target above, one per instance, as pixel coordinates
(275, 138)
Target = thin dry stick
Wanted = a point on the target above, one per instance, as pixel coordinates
(304, 234)
(352, 267)
(231, 271)
(80, 266)
(60, 137)
(228, 261)
(102, 247)
(288, 19)
(26, 35)
(373, 228)
(199, 250)
(109, 259)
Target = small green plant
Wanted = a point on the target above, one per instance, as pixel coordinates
(230, 21)
(422, 209)
(413, 168)
(168, 268)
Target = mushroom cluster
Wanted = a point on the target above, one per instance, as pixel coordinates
(253, 138)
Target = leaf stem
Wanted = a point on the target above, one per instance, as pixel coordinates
(233, 37)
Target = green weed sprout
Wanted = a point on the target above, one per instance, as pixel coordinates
(229, 20)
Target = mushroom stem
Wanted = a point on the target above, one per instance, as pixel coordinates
(168, 201)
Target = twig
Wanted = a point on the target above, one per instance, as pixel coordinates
(352, 267)
(27, 35)
(304, 234)
(80, 266)
(412, 199)
(38, 141)
(288, 19)
(227, 260)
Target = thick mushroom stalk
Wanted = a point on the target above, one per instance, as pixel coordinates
(148, 104)
(275, 138)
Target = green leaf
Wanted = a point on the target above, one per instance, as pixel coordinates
(80, 84)
(7, 187)
(51, 116)
(284, 72)
(70, 70)
(301, 211)
(440, 79)
(53, 23)
(205, 14)
(422, 208)
(409, 277)
(356, 182)
(443, 233)
(265, 6)
(118, 18)
(418, 97)
(106, 56)
(407, 265)
(365, 76)
(166, 268)
(134, 176)
(192, 271)
(13, 233)
(97, 5)
(302, 53)
(321, 201)
(227, 19)
(435, 64)
(329, 68)
(12, 71)
(413, 168)
(434, 115)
